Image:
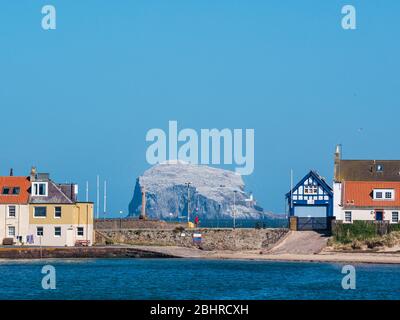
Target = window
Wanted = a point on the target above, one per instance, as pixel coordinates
(11, 231)
(379, 168)
(347, 216)
(383, 194)
(11, 211)
(16, 191)
(395, 217)
(57, 212)
(79, 231)
(57, 231)
(40, 212)
(39, 231)
(39, 189)
(310, 189)
(6, 190)
(388, 195)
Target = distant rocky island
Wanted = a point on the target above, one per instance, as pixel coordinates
(212, 193)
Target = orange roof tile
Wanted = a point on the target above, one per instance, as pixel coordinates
(360, 193)
(21, 182)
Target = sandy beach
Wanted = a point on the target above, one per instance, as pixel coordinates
(324, 256)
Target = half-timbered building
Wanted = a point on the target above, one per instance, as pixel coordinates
(311, 202)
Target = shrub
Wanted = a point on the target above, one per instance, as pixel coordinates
(358, 230)
(394, 227)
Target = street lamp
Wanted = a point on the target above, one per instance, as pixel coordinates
(188, 200)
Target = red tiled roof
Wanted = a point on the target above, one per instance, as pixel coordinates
(22, 182)
(359, 193)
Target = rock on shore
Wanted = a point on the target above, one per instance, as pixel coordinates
(211, 193)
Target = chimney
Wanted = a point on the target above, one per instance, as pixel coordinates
(33, 173)
(143, 212)
(11, 172)
(337, 158)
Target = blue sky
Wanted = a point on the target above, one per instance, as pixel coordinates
(79, 100)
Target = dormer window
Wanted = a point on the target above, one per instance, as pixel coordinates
(39, 189)
(13, 191)
(379, 168)
(384, 194)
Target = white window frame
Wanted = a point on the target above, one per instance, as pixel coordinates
(77, 231)
(39, 217)
(37, 231)
(345, 216)
(384, 192)
(15, 211)
(310, 189)
(8, 231)
(393, 213)
(55, 235)
(55, 217)
(35, 189)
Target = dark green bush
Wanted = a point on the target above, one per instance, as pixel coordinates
(394, 227)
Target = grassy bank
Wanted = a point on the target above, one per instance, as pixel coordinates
(365, 235)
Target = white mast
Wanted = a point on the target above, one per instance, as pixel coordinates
(87, 191)
(105, 197)
(291, 190)
(98, 197)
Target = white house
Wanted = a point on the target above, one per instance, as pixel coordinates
(366, 189)
(14, 209)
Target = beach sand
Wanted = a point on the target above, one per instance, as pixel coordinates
(323, 256)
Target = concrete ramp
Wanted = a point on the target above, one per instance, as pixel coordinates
(300, 242)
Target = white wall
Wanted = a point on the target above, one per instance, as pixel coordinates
(367, 214)
(49, 239)
(337, 201)
(20, 221)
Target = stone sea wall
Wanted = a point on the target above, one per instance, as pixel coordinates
(212, 239)
(132, 223)
(80, 253)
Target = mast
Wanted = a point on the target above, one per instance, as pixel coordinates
(98, 197)
(105, 197)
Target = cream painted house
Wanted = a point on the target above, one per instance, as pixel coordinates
(14, 209)
(56, 218)
(36, 211)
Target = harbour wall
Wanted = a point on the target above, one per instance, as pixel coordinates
(133, 223)
(80, 253)
(211, 239)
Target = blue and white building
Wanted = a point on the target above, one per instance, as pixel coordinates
(311, 201)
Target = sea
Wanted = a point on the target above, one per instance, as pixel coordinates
(188, 279)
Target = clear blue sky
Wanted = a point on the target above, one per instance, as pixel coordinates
(79, 100)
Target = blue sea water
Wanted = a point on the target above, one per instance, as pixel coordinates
(194, 279)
